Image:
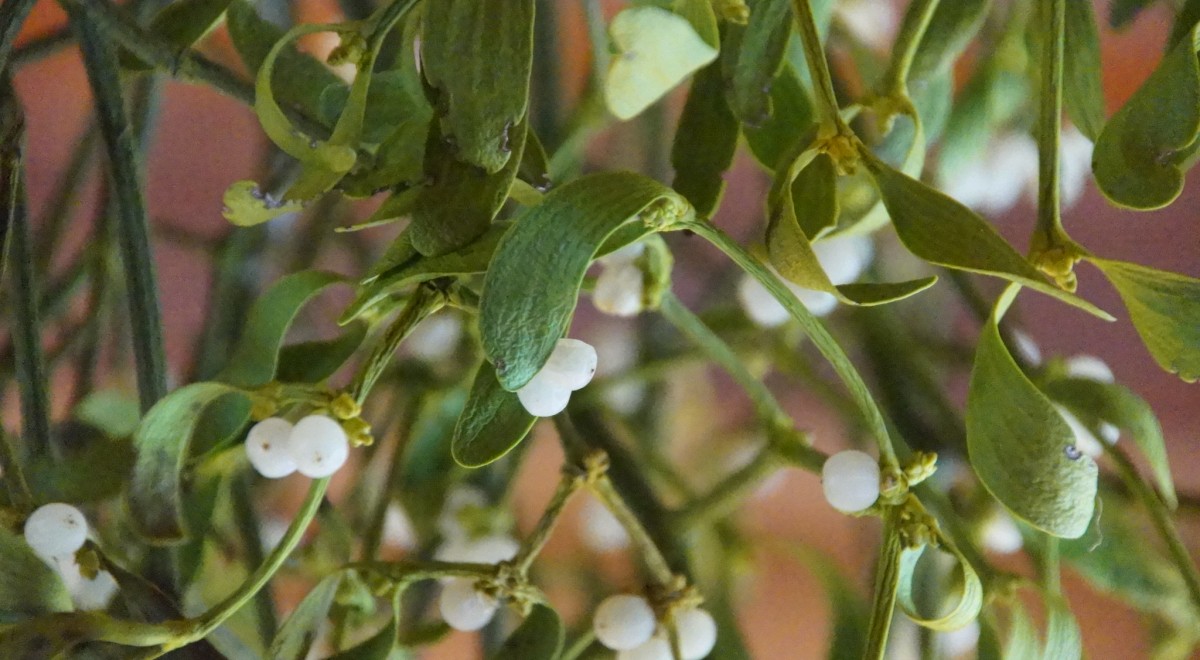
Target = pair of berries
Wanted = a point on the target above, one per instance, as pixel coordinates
(627, 624)
(570, 367)
(316, 446)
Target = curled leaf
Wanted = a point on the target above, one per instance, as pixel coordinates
(1019, 445)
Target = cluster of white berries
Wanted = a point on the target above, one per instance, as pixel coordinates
(621, 286)
(843, 258)
(627, 624)
(56, 532)
(570, 367)
(316, 446)
(850, 480)
(463, 606)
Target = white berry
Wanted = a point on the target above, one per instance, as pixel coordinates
(850, 480)
(1000, 534)
(460, 498)
(490, 549)
(267, 447)
(319, 446)
(619, 290)
(542, 397)
(1089, 367)
(844, 258)
(697, 633)
(86, 594)
(571, 364)
(624, 622)
(655, 648)
(959, 642)
(464, 607)
(56, 530)
(759, 304)
(601, 531)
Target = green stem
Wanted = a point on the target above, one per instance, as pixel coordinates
(769, 411)
(571, 481)
(731, 491)
(1161, 518)
(247, 524)
(209, 621)
(26, 324)
(887, 579)
(424, 301)
(820, 337)
(916, 20)
(581, 644)
(100, 60)
(818, 68)
(14, 478)
(1049, 233)
(40, 47)
(63, 199)
(392, 482)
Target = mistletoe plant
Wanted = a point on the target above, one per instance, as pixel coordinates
(130, 528)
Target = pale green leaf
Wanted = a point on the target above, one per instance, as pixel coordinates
(28, 586)
(1136, 156)
(162, 442)
(951, 28)
(1022, 642)
(548, 251)
(705, 142)
(1020, 447)
(1094, 401)
(942, 231)
(656, 50)
(539, 637)
(493, 421)
(1165, 309)
(297, 634)
(478, 55)
(1082, 91)
(964, 593)
(1063, 639)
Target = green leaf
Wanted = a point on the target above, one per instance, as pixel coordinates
(162, 441)
(965, 594)
(297, 634)
(179, 24)
(1094, 401)
(299, 79)
(951, 28)
(1022, 643)
(942, 231)
(752, 56)
(699, 13)
(1136, 157)
(394, 98)
(380, 646)
(28, 586)
(245, 205)
(89, 466)
(111, 411)
(1165, 309)
(1021, 448)
(1123, 561)
(427, 468)
(460, 201)
(548, 251)
(1082, 91)
(656, 50)
(478, 54)
(493, 421)
(1063, 640)
(470, 260)
(705, 142)
(791, 251)
(256, 356)
(314, 361)
(540, 637)
(790, 121)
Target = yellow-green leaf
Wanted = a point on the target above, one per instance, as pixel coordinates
(297, 634)
(965, 593)
(28, 586)
(942, 231)
(656, 50)
(1020, 447)
(246, 205)
(1136, 159)
(1165, 309)
(493, 421)
(478, 54)
(548, 251)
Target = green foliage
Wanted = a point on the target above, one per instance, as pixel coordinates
(656, 50)
(493, 421)
(539, 637)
